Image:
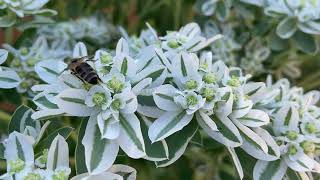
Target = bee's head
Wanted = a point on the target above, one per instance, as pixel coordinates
(74, 63)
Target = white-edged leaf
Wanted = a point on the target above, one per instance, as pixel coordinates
(47, 114)
(141, 85)
(58, 154)
(72, 101)
(19, 146)
(255, 118)
(148, 107)
(254, 90)
(162, 58)
(272, 170)
(167, 124)
(21, 119)
(125, 65)
(184, 65)
(122, 47)
(205, 122)
(101, 176)
(157, 73)
(236, 162)
(164, 98)
(157, 151)
(177, 143)
(109, 126)
(287, 115)
(224, 108)
(99, 153)
(45, 101)
(253, 144)
(130, 139)
(49, 70)
(273, 148)
(228, 133)
(127, 172)
(79, 50)
(3, 55)
(303, 163)
(287, 27)
(8, 78)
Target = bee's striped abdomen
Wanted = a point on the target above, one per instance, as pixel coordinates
(87, 73)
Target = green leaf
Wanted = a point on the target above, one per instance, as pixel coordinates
(146, 100)
(79, 152)
(46, 142)
(178, 143)
(8, 20)
(287, 27)
(224, 130)
(2, 149)
(305, 42)
(74, 100)
(276, 43)
(155, 151)
(172, 124)
(46, 12)
(43, 100)
(21, 118)
(124, 66)
(130, 131)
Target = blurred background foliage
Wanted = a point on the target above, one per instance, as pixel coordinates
(204, 159)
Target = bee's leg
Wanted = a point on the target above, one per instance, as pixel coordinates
(63, 71)
(78, 77)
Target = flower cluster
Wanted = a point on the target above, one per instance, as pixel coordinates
(13, 8)
(91, 29)
(300, 15)
(148, 99)
(295, 127)
(28, 61)
(150, 96)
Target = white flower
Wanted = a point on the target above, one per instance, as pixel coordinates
(99, 97)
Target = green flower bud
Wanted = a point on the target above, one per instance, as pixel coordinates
(99, 98)
(292, 150)
(24, 51)
(31, 62)
(24, 85)
(279, 142)
(116, 104)
(115, 85)
(292, 135)
(104, 70)
(60, 175)
(308, 146)
(209, 78)
(16, 63)
(105, 58)
(33, 176)
(208, 93)
(234, 81)
(204, 65)
(43, 158)
(311, 128)
(22, 74)
(173, 44)
(192, 100)
(16, 166)
(191, 84)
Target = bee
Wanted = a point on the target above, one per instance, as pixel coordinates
(80, 68)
